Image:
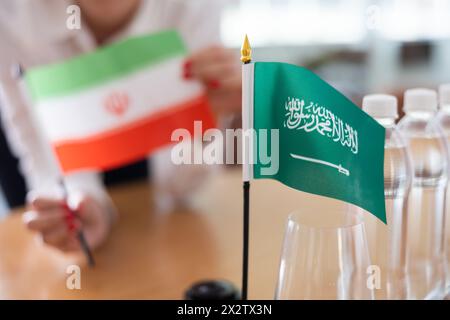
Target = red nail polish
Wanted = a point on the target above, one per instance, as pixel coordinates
(214, 84)
(70, 221)
(187, 72)
(187, 65)
(71, 227)
(70, 212)
(69, 216)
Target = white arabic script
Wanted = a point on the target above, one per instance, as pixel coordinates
(313, 117)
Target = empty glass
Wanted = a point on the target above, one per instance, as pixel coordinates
(325, 256)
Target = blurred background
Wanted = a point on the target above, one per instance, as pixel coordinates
(359, 46)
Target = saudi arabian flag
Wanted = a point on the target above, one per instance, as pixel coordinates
(310, 137)
(117, 104)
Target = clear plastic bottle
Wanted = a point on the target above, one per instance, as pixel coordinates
(444, 122)
(427, 148)
(387, 242)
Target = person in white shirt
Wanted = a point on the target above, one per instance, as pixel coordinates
(34, 32)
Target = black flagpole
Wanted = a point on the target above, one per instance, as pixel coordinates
(246, 239)
(245, 58)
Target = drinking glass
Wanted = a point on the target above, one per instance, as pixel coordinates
(325, 257)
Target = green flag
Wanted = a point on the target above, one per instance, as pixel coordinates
(310, 137)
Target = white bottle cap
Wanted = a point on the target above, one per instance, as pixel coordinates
(420, 100)
(380, 106)
(444, 95)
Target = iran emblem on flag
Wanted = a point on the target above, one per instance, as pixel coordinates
(117, 103)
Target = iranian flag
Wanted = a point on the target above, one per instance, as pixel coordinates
(316, 139)
(118, 104)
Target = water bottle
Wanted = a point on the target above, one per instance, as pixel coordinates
(444, 123)
(426, 145)
(387, 242)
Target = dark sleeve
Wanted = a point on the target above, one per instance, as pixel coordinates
(11, 181)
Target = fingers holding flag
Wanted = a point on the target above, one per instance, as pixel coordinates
(57, 225)
(218, 70)
(49, 219)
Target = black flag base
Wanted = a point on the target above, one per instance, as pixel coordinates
(212, 290)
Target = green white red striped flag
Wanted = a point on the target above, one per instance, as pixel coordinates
(118, 104)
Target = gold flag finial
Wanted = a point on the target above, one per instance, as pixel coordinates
(246, 51)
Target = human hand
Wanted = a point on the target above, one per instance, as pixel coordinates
(57, 225)
(218, 68)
